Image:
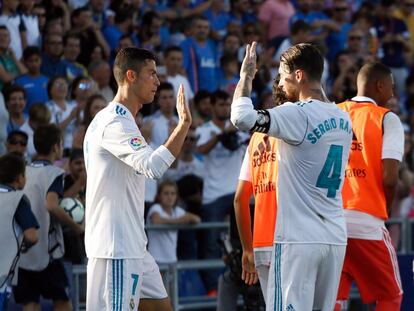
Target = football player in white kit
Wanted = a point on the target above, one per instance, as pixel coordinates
(314, 142)
(121, 273)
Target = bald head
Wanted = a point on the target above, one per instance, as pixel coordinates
(375, 81)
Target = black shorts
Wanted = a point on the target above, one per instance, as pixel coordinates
(50, 283)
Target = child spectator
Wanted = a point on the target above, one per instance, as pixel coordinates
(94, 104)
(229, 76)
(18, 229)
(15, 98)
(163, 244)
(34, 83)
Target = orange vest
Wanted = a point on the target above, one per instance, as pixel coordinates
(363, 189)
(263, 170)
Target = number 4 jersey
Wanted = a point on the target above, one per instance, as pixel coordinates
(312, 155)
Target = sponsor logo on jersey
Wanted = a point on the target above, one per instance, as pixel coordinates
(263, 154)
(136, 142)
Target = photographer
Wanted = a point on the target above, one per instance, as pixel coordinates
(222, 147)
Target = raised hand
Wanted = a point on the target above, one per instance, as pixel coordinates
(248, 67)
(183, 110)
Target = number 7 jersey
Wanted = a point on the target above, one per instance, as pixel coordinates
(313, 150)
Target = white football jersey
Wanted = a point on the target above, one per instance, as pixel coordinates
(315, 139)
(117, 160)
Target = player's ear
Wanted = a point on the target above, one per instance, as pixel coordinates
(379, 85)
(130, 75)
(299, 75)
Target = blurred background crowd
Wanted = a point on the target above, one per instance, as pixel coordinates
(55, 67)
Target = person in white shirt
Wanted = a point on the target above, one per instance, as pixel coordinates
(162, 245)
(121, 273)
(315, 139)
(173, 59)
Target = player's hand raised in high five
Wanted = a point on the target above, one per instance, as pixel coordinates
(248, 68)
(183, 110)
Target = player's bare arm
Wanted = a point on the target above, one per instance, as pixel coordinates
(247, 73)
(177, 137)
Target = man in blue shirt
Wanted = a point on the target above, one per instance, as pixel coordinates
(52, 64)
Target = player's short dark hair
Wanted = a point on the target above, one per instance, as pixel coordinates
(373, 71)
(306, 57)
(45, 137)
(172, 49)
(11, 89)
(219, 94)
(30, 51)
(11, 167)
(131, 59)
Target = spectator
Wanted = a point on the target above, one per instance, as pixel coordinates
(90, 34)
(186, 163)
(59, 10)
(102, 16)
(40, 11)
(240, 13)
(122, 26)
(202, 108)
(71, 51)
(231, 44)
(41, 273)
(344, 72)
(149, 33)
(395, 43)
(39, 115)
(200, 56)
(218, 19)
(405, 12)
(229, 77)
(80, 90)
(19, 225)
(357, 48)
(14, 24)
(94, 104)
(64, 113)
(17, 143)
(15, 98)
(75, 187)
(220, 143)
(10, 66)
(162, 245)
(33, 82)
(4, 117)
(31, 23)
(101, 73)
(339, 27)
(274, 16)
(173, 59)
(52, 64)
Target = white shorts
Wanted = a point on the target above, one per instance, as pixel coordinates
(262, 260)
(304, 277)
(119, 284)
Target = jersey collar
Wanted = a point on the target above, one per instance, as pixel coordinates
(363, 99)
(40, 163)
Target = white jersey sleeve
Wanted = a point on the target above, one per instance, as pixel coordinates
(393, 137)
(121, 140)
(287, 122)
(245, 168)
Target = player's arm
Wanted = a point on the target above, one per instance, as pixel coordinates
(242, 197)
(287, 122)
(27, 222)
(53, 195)
(392, 153)
(123, 139)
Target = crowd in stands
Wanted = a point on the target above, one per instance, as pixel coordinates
(55, 67)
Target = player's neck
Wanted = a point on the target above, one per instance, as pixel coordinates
(124, 97)
(312, 91)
